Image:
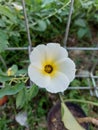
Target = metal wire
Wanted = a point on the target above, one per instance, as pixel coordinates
(28, 31)
(68, 23)
(68, 48)
(27, 26)
(94, 85)
(83, 88)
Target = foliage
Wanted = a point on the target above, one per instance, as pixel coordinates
(3, 123)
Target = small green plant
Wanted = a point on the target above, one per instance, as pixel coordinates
(4, 123)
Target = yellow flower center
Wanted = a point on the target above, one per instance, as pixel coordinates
(48, 69)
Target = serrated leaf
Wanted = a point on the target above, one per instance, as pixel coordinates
(68, 119)
(11, 90)
(20, 99)
(33, 91)
(4, 10)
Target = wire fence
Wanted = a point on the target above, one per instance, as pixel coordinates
(90, 77)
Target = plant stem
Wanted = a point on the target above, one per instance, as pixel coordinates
(61, 98)
(16, 79)
(81, 101)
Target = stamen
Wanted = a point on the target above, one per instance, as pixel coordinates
(48, 69)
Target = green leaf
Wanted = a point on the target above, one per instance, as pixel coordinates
(96, 4)
(2, 24)
(45, 2)
(22, 71)
(11, 90)
(87, 4)
(28, 2)
(4, 10)
(68, 119)
(4, 77)
(13, 70)
(20, 99)
(1, 72)
(32, 92)
(41, 25)
(82, 32)
(3, 41)
(80, 22)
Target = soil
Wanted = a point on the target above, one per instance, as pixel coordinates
(54, 116)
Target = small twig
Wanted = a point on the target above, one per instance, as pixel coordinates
(88, 120)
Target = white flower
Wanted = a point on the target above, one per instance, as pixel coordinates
(17, 7)
(51, 68)
(21, 118)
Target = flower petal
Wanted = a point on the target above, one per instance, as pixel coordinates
(37, 77)
(59, 83)
(68, 68)
(56, 52)
(38, 55)
(21, 118)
